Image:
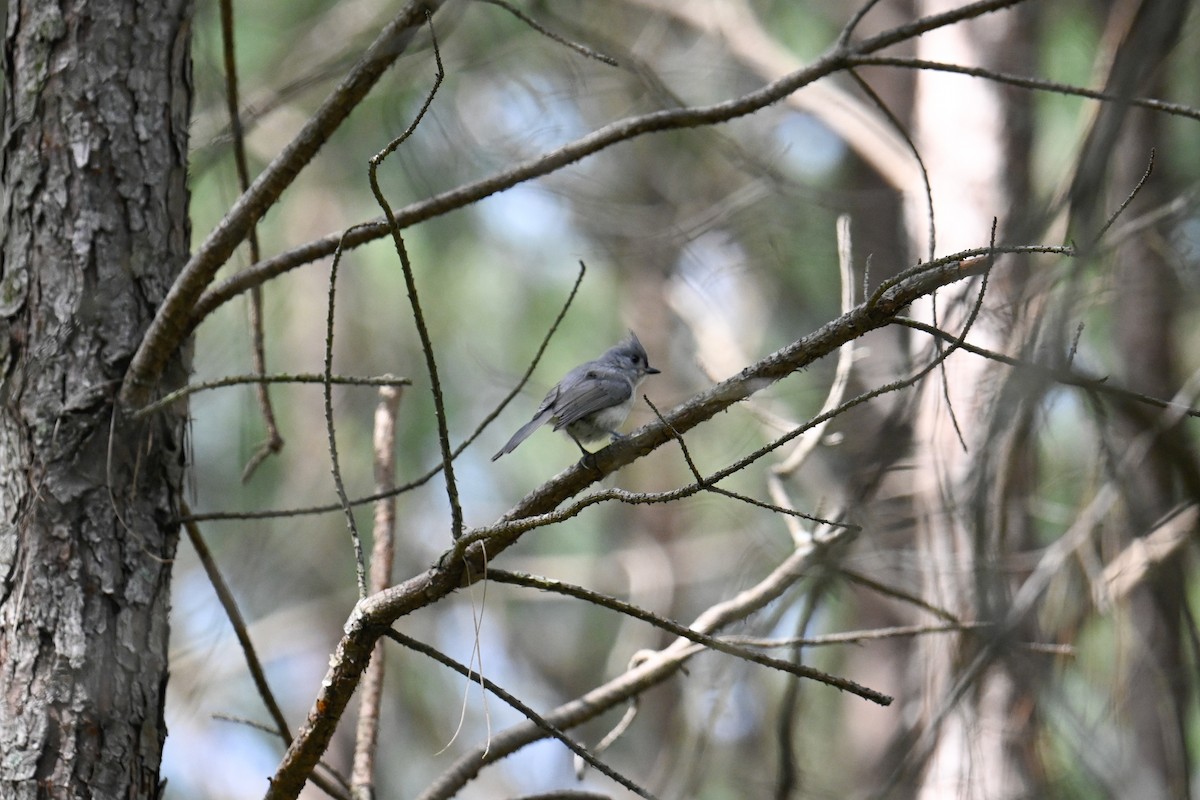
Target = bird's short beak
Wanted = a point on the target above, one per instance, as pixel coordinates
(652, 371)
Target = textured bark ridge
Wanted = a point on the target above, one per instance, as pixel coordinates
(94, 229)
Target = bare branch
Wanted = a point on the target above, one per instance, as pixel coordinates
(926, 184)
(857, 637)
(898, 594)
(744, 35)
(622, 130)
(234, 615)
(1063, 375)
(1174, 109)
(537, 26)
(238, 380)
(720, 645)
(173, 320)
(708, 485)
(855, 19)
(1137, 561)
(841, 378)
(414, 300)
(1128, 199)
(257, 674)
(360, 567)
(651, 669)
(534, 718)
(273, 442)
(383, 551)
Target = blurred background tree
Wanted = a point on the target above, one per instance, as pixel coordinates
(1030, 605)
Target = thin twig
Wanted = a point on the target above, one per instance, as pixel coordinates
(1128, 199)
(1065, 376)
(234, 615)
(841, 378)
(238, 623)
(1173, 109)
(526, 711)
(898, 594)
(926, 184)
(951, 413)
(537, 355)
(856, 637)
(613, 736)
(360, 567)
(789, 703)
(238, 380)
(273, 442)
(414, 300)
(857, 17)
(807, 445)
(972, 259)
(711, 642)
(582, 49)
(705, 484)
(340, 791)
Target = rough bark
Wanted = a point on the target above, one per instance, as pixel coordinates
(94, 228)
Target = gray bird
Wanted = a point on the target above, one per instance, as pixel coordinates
(593, 399)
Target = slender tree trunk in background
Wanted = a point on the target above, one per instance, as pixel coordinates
(1154, 674)
(973, 138)
(1156, 697)
(94, 229)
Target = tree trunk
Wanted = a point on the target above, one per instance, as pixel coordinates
(970, 503)
(94, 229)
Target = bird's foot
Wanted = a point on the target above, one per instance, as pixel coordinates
(589, 461)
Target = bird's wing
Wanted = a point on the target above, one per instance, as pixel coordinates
(595, 391)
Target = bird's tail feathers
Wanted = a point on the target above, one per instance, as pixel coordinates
(523, 433)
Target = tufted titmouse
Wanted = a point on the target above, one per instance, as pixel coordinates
(593, 399)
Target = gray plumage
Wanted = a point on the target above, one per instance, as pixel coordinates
(593, 399)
